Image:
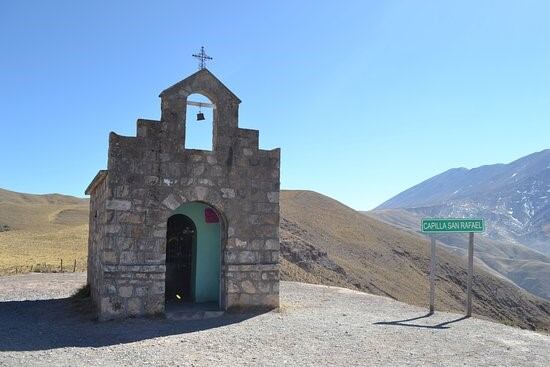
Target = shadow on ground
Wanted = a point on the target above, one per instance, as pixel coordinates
(406, 322)
(54, 323)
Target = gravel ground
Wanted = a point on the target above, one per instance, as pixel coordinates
(317, 325)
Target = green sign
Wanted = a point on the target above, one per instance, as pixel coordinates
(436, 225)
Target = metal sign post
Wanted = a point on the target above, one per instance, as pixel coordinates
(470, 275)
(453, 225)
(432, 276)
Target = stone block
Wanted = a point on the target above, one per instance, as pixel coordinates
(270, 275)
(247, 257)
(253, 219)
(200, 192)
(169, 181)
(228, 193)
(125, 291)
(110, 289)
(198, 170)
(264, 287)
(232, 299)
(257, 244)
(248, 287)
(131, 218)
(171, 202)
(273, 197)
(134, 306)
(118, 204)
(111, 307)
(206, 182)
(154, 304)
(272, 244)
(196, 157)
(158, 288)
(110, 257)
(140, 291)
(232, 286)
(128, 257)
(240, 243)
(121, 191)
(230, 256)
(159, 233)
(271, 300)
(112, 228)
(244, 299)
(152, 180)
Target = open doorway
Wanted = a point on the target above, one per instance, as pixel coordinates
(181, 239)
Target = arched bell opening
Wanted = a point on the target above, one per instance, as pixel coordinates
(199, 122)
(193, 255)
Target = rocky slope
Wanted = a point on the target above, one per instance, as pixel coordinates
(526, 267)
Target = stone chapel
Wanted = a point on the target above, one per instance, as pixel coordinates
(170, 224)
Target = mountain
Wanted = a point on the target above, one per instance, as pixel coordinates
(322, 242)
(513, 198)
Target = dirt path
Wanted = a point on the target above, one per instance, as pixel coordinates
(317, 326)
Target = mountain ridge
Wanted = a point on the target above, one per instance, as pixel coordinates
(513, 198)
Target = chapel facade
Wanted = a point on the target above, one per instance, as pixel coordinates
(170, 224)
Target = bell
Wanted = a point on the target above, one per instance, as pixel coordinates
(200, 116)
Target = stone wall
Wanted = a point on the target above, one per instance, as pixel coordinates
(96, 237)
(152, 174)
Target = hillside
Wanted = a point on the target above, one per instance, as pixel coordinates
(527, 268)
(513, 197)
(42, 229)
(322, 241)
(326, 242)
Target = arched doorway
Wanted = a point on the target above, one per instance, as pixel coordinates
(193, 254)
(181, 239)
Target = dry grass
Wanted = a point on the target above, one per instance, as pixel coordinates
(43, 230)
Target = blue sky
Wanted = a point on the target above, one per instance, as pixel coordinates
(365, 98)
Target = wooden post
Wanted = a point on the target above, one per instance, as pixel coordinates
(61, 265)
(470, 275)
(74, 267)
(432, 275)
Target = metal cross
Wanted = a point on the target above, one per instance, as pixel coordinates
(202, 56)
